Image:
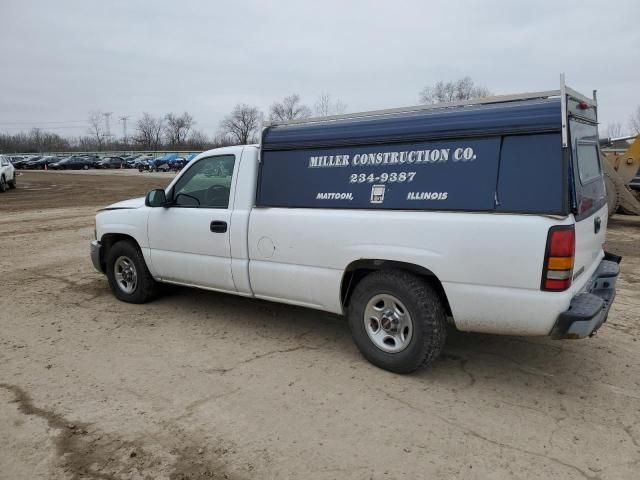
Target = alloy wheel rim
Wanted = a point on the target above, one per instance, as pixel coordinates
(125, 274)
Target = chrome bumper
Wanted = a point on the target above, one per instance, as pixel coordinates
(589, 308)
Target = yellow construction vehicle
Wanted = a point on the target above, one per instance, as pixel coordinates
(620, 169)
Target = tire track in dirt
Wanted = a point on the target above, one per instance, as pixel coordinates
(85, 453)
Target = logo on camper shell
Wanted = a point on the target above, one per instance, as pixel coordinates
(377, 193)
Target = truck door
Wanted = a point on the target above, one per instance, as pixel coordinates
(590, 199)
(189, 240)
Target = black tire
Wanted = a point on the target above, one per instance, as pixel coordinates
(426, 310)
(14, 182)
(145, 287)
(3, 184)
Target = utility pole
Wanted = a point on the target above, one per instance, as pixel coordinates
(124, 119)
(107, 117)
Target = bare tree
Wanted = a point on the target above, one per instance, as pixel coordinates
(149, 131)
(634, 121)
(242, 124)
(96, 130)
(325, 106)
(197, 140)
(36, 139)
(614, 130)
(290, 108)
(177, 128)
(462, 89)
(221, 140)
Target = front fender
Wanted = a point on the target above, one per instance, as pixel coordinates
(129, 222)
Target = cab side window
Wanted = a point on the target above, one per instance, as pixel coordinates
(588, 162)
(207, 184)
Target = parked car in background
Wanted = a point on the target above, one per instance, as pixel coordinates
(92, 160)
(42, 163)
(177, 164)
(154, 164)
(21, 164)
(7, 174)
(72, 163)
(129, 160)
(161, 164)
(141, 162)
(111, 162)
(59, 165)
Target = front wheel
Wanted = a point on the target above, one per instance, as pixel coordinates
(14, 182)
(3, 184)
(128, 275)
(397, 320)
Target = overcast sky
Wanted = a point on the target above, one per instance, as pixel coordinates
(62, 59)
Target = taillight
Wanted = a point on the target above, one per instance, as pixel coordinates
(558, 258)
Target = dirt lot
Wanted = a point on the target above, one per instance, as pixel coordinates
(198, 385)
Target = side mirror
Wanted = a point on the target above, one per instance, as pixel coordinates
(156, 198)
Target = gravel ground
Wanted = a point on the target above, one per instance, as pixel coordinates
(199, 385)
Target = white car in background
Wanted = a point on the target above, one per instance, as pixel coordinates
(7, 174)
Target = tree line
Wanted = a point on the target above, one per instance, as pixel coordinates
(244, 123)
(240, 126)
(171, 131)
(168, 132)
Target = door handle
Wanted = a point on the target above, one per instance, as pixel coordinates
(218, 226)
(596, 224)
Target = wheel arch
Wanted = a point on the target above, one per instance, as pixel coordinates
(359, 269)
(108, 240)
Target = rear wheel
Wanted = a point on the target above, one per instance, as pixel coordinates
(128, 275)
(13, 183)
(397, 320)
(3, 184)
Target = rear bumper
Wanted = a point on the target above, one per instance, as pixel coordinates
(590, 307)
(95, 251)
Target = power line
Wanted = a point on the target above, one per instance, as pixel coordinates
(43, 123)
(44, 127)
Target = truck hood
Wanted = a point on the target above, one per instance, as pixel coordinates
(125, 205)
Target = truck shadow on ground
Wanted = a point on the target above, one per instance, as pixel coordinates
(492, 357)
(467, 357)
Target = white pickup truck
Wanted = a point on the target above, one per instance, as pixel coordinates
(490, 215)
(7, 174)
